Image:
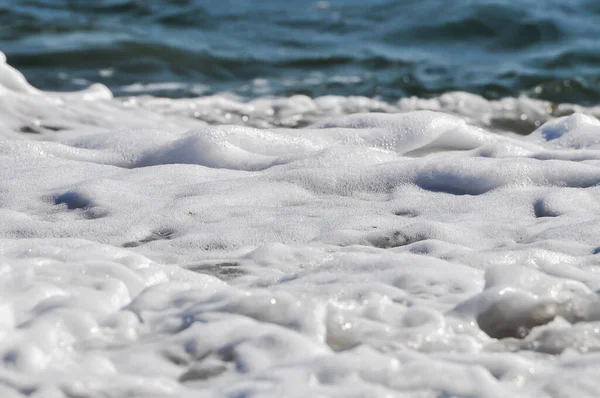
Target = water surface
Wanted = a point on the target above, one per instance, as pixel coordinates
(378, 48)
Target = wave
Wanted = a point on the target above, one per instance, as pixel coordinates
(492, 49)
(519, 115)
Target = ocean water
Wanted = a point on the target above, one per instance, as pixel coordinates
(377, 48)
(299, 199)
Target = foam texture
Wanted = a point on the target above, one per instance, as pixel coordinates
(147, 249)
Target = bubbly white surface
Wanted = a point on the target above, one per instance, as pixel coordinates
(416, 254)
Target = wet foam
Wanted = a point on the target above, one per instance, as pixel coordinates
(404, 251)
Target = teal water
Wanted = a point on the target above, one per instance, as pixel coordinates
(379, 48)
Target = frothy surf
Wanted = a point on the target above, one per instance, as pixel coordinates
(159, 247)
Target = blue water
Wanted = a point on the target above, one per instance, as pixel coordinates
(380, 48)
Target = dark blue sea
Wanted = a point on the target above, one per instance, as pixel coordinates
(379, 48)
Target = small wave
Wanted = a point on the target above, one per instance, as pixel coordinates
(404, 49)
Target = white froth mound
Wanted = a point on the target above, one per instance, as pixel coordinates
(146, 253)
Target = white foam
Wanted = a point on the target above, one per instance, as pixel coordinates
(144, 252)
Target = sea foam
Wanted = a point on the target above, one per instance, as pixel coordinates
(146, 251)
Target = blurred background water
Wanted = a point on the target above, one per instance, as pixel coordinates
(379, 48)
